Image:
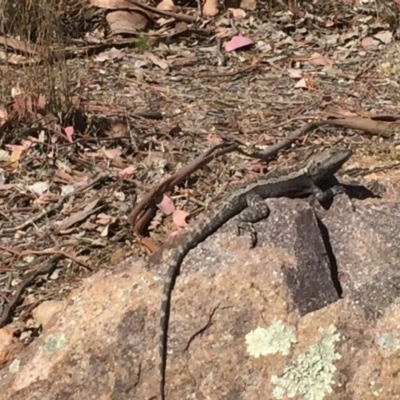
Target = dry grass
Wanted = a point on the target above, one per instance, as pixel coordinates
(46, 25)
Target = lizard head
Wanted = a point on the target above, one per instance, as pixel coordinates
(327, 163)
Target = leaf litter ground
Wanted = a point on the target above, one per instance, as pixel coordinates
(66, 193)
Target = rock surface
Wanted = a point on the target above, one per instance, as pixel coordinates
(266, 323)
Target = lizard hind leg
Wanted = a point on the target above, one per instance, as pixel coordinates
(257, 209)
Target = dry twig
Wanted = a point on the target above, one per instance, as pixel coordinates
(370, 126)
(142, 213)
(9, 306)
(100, 177)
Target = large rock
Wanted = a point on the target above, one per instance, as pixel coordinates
(246, 324)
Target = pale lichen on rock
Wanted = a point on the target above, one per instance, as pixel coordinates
(311, 374)
(388, 341)
(278, 338)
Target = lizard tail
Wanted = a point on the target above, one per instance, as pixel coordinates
(164, 323)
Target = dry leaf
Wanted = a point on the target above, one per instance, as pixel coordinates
(214, 139)
(221, 32)
(16, 156)
(4, 156)
(132, 22)
(167, 5)
(318, 59)
(120, 196)
(295, 73)
(3, 115)
(302, 83)
(104, 219)
(369, 44)
(166, 205)
(210, 8)
(238, 42)
(112, 54)
(237, 13)
(7, 186)
(69, 131)
(104, 232)
(156, 60)
(67, 189)
(128, 171)
(384, 36)
(179, 218)
(249, 4)
(112, 154)
(39, 187)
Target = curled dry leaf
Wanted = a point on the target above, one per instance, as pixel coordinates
(166, 205)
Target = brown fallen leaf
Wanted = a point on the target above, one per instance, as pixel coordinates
(210, 8)
(167, 5)
(319, 59)
(79, 216)
(124, 22)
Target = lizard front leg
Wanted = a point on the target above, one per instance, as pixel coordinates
(257, 209)
(324, 195)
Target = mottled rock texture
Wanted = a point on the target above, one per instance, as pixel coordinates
(311, 313)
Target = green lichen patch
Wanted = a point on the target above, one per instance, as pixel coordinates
(278, 338)
(311, 374)
(389, 342)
